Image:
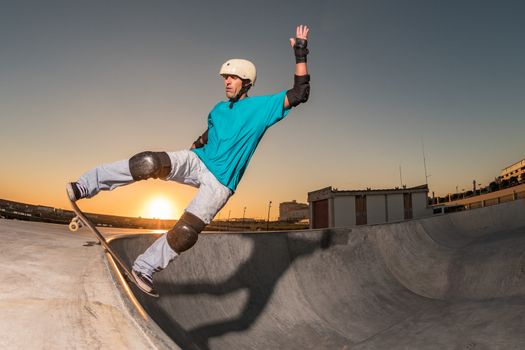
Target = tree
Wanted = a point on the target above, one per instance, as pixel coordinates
(493, 186)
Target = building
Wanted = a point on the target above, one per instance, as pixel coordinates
(515, 170)
(293, 211)
(333, 208)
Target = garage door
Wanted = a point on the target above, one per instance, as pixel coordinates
(320, 215)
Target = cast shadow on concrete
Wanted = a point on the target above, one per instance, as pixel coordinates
(258, 276)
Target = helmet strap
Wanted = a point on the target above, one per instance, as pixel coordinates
(244, 89)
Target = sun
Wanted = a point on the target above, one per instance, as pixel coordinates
(160, 208)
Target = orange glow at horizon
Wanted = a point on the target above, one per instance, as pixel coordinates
(160, 207)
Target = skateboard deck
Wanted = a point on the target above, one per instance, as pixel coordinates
(85, 221)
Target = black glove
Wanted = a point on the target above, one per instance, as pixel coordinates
(300, 50)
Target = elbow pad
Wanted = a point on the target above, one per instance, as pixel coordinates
(300, 91)
(201, 140)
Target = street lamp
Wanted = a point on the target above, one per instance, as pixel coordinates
(243, 214)
(268, 220)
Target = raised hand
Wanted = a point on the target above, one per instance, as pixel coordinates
(301, 32)
(301, 89)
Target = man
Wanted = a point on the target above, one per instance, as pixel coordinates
(214, 164)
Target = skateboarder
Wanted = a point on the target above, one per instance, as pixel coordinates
(214, 164)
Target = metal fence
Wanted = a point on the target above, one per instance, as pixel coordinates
(495, 201)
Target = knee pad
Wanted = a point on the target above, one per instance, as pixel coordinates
(185, 233)
(148, 165)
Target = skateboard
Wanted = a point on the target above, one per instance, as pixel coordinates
(79, 220)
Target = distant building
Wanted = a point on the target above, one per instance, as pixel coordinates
(293, 211)
(514, 170)
(333, 208)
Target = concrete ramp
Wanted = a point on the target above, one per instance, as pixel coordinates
(447, 282)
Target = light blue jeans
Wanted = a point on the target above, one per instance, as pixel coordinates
(186, 168)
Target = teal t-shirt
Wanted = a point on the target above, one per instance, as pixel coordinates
(233, 134)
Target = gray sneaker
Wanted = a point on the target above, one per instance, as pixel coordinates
(75, 191)
(143, 281)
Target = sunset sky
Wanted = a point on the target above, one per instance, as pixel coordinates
(89, 82)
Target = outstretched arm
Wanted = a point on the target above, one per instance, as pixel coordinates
(301, 90)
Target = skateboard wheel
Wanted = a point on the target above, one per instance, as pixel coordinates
(75, 224)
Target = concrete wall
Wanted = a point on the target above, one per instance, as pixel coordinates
(344, 211)
(487, 196)
(395, 208)
(419, 206)
(375, 209)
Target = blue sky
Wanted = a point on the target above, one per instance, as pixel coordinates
(89, 82)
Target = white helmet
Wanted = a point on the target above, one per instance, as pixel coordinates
(244, 69)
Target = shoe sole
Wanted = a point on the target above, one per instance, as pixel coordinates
(71, 193)
(142, 286)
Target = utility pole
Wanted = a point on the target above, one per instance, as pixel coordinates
(243, 214)
(268, 220)
(424, 161)
(400, 176)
